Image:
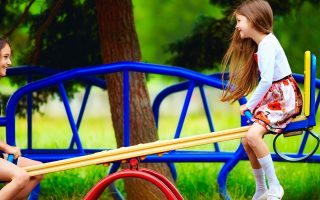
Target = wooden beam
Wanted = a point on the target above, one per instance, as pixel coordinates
(139, 150)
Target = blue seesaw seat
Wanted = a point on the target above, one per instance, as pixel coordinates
(306, 121)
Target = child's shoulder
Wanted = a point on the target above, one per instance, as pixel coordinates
(269, 41)
(269, 38)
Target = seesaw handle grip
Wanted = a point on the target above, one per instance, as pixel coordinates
(248, 115)
(11, 159)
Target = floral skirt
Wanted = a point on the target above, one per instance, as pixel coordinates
(281, 103)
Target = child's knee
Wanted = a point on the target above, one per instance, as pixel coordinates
(244, 142)
(252, 138)
(38, 178)
(35, 162)
(21, 178)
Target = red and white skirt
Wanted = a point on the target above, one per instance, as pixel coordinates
(281, 103)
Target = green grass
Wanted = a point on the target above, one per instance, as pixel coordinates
(195, 180)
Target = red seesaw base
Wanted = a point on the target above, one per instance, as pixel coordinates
(169, 190)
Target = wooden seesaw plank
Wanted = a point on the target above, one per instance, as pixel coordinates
(139, 150)
(139, 147)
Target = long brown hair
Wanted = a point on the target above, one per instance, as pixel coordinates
(3, 42)
(243, 69)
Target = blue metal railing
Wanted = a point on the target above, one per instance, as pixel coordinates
(84, 74)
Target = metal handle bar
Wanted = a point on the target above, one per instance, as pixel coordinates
(296, 159)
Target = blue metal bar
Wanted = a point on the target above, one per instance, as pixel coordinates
(313, 86)
(34, 195)
(10, 130)
(3, 121)
(163, 94)
(113, 188)
(36, 70)
(190, 157)
(82, 109)
(244, 120)
(318, 102)
(227, 167)
(215, 157)
(184, 110)
(126, 109)
(208, 114)
(29, 115)
(172, 89)
(118, 67)
(83, 105)
(70, 118)
(303, 143)
(181, 122)
(176, 156)
(172, 169)
(93, 70)
(206, 108)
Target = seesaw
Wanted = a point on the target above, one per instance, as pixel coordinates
(137, 151)
(304, 122)
(130, 154)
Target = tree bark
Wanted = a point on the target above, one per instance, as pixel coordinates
(119, 42)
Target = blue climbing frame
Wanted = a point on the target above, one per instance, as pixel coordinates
(87, 75)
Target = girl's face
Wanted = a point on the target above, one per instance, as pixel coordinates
(243, 26)
(5, 62)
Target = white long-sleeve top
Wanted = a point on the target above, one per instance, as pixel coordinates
(273, 65)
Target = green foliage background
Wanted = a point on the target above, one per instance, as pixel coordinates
(193, 34)
(197, 37)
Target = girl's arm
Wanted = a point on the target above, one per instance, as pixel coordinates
(4, 146)
(266, 63)
(10, 149)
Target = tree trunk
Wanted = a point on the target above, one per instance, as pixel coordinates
(119, 42)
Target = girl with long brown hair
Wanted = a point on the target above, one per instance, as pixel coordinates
(255, 51)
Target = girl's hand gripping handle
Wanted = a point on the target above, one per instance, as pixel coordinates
(11, 159)
(248, 115)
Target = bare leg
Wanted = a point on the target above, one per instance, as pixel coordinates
(260, 149)
(17, 178)
(250, 153)
(259, 175)
(34, 180)
(254, 139)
